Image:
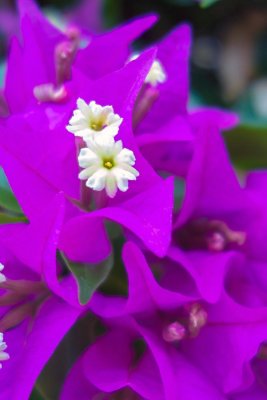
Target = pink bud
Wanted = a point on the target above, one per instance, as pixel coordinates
(49, 93)
(65, 53)
(174, 332)
(216, 242)
(197, 318)
(221, 235)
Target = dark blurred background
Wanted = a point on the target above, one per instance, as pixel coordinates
(229, 55)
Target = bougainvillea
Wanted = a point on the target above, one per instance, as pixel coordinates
(156, 292)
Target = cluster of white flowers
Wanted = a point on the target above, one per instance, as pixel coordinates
(105, 163)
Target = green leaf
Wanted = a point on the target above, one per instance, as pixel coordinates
(7, 198)
(207, 3)
(11, 219)
(36, 395)
(179, 191)
(88, 276)
(117, 282)
(247, 145)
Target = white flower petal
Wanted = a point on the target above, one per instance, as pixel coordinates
(121, 173)
(110, 130)
(129, 168)
(126, 156)
(83, 107)
(111, 185)
(103, 142)
(108, 112)
(87, 158)
(98, 180)
(2, 276)
(156, 74)
(77, 118)
(123, 185)
(114, 119)
(3, 355)
(87, 172)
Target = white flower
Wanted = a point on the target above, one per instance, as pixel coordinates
(156, 74)
(2, 276)
(3, 355)
(92, 120)
(107, 165)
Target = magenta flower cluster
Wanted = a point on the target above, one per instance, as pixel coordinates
(170, 284)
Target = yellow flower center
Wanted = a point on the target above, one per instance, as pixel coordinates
(97, 126)
(109, 164)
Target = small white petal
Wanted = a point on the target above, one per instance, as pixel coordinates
(156, 74)
(107, 112)
(87, 157)
(118, 147)
(122, 173)
(111, 185)
(83, 107)
(76, 118)
(110, 130)
(2, 276)
(98, 180)
(123, 185)
(126, 156)
(87, 172)
(85, 133)
(103, 142)
(114, 120)
(129, 168)
(3, 355)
